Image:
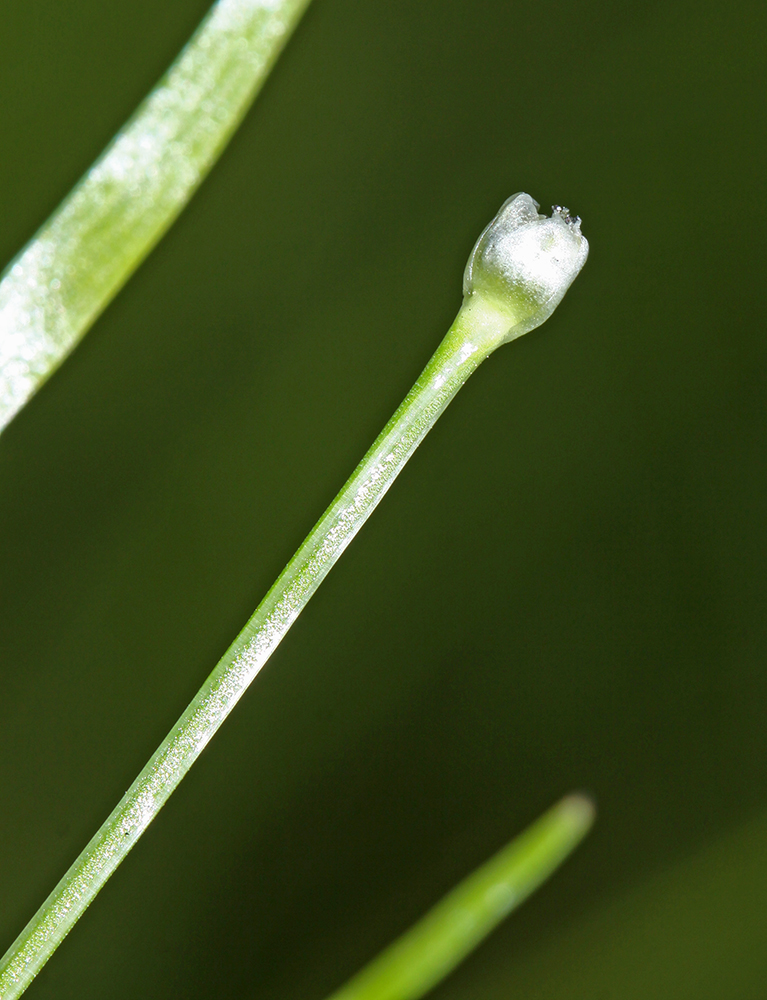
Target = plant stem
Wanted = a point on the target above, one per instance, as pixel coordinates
(441, 939)
(521, 266)
(64, 278)
(477, 330)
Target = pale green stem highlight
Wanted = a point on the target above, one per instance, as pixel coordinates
(432, 948)
(477, 330)
(65, 277)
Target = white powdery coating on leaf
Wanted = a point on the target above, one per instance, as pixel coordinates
(63, 279)
(33, 325)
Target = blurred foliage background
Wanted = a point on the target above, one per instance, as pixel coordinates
(566, 587)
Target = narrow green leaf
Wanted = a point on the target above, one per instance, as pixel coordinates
(66, 276)
(431, 949)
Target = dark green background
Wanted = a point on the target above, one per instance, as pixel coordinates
(565, 588)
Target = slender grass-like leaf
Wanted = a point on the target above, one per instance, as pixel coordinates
(65, 277)
(441, 939)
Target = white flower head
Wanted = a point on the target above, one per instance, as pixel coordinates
(524, 262)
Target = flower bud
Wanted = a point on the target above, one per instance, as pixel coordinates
(524, 262)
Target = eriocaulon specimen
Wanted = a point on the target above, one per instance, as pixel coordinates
(518, 272)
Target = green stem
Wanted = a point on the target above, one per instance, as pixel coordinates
(434, 946)
(477, 330)
(519, 270)
(65, 277)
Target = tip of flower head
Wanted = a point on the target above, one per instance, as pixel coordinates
(574, 221)
(524, 262)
